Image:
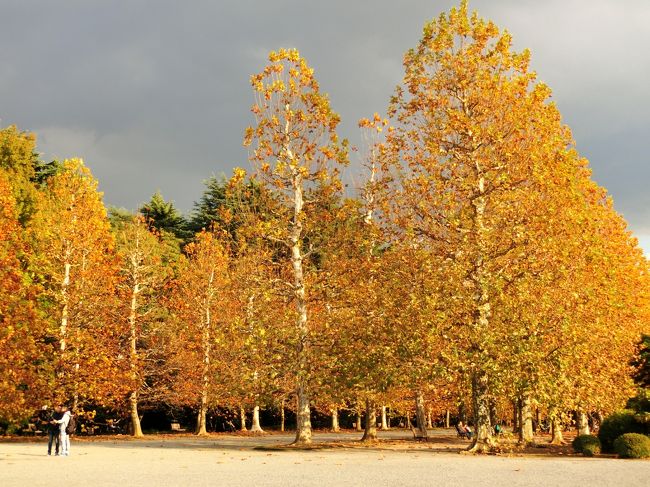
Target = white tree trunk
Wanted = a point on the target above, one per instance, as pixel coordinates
(384, 419)
(556, 429)
(201, 427)
(335, 420)
(133, 397)
(583, 423)
(303, 413)
(257, 428)
(64, 300)
(242, 419)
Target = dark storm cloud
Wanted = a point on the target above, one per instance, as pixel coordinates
(155, 94)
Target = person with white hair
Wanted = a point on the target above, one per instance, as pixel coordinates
(64, 438)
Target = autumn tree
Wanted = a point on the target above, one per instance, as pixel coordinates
(201, 312)
(21, 329)
(295, 150)
(471, 161)
(74, 257)
(143, 271)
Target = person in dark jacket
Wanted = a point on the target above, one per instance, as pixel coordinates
(53, 430)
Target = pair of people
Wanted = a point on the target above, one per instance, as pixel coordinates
(47, 419)
(57, 434)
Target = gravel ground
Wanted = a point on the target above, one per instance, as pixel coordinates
(234, 460)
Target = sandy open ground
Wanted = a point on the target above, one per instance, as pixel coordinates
(237, 460)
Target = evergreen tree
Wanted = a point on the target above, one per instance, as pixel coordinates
(164, 217)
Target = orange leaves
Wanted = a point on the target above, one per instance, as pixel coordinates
(377, 123)
(74, 251)
(20, 327)
(479, 173)
(295, 134)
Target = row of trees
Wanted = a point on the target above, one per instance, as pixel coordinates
(479, 266)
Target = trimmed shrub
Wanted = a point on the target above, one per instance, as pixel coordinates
(591, 449)
(632, 445)
(616, 425)
(588, 445)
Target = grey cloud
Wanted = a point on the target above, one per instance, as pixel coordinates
(155, 94)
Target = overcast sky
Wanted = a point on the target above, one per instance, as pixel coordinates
(154, 94)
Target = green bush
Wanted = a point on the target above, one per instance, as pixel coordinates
(632, 445)
(588, 445)
(591, 449)
(14, 429)
(616, 425)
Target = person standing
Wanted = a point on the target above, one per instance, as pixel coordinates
(64, 439)
(53, 436)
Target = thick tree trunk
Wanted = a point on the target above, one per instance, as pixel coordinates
(583, 423)
(201, 419)
(420, 414)
(256, 428)
(447, 419)
(357, 424)
(408, 420)
(242, 419)
(515, 416)
(525, 420)
(483, 440)
(384, 419)
(370, 432)
(556, 430)
(335, 420)
(303, 418)
(493, 412)
(136, 429)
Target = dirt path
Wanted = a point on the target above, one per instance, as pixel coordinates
(235, 460)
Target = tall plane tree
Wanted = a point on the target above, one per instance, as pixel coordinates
(296, 151)
(141, 276)
(199, 302)
(75, 257)
(472, 156)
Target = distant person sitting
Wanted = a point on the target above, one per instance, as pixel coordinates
(469, 431)
(461, 429)
(498, 429)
